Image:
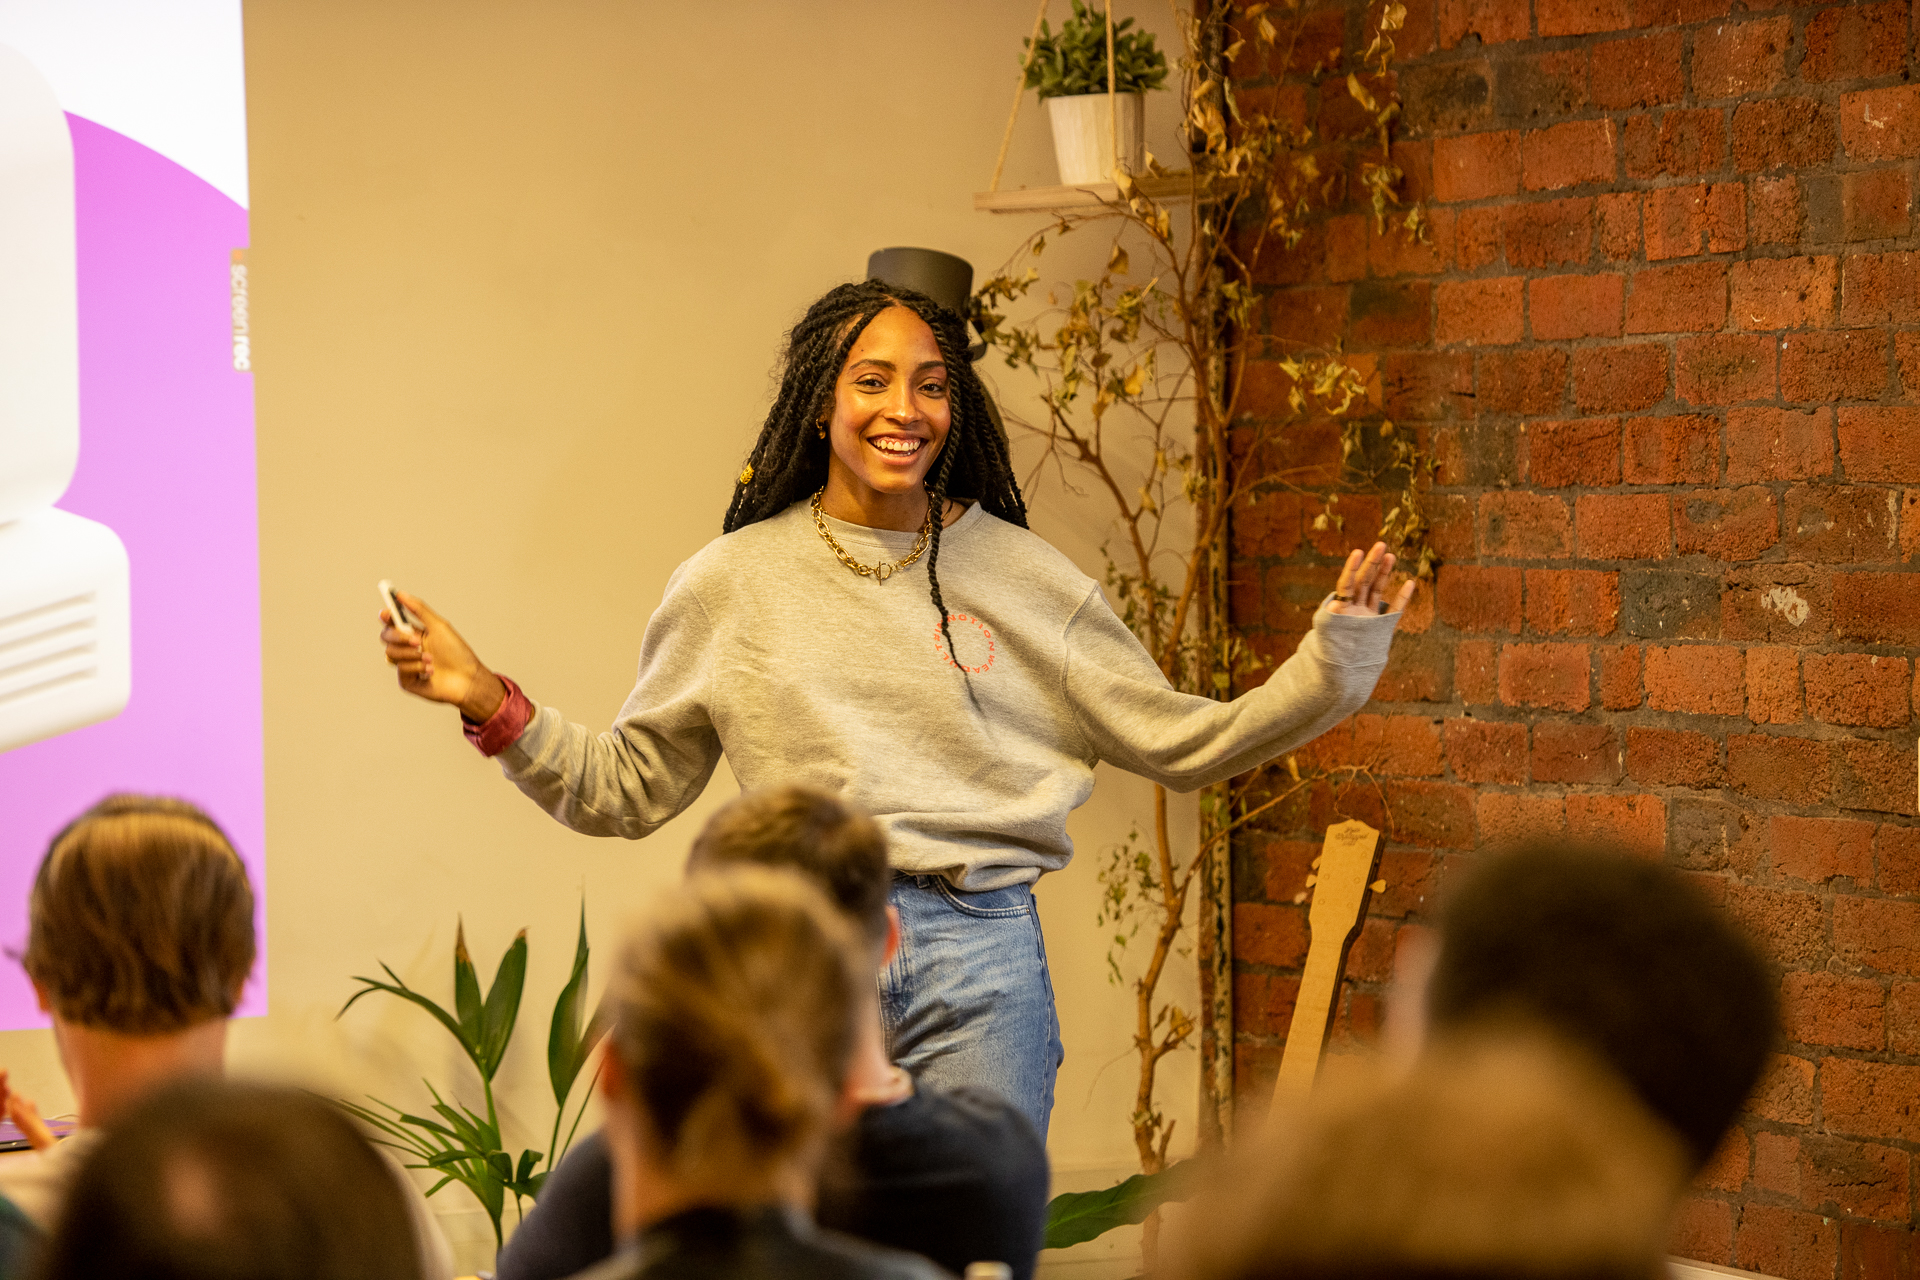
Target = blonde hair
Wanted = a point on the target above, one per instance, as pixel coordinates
(734, 1010)
(141, 918)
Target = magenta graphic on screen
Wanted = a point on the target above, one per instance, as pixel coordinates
(167, 462)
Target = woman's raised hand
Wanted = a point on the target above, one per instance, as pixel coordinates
(1366, 581)
(436, 664)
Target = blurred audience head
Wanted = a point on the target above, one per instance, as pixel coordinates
(1500, 1156)
(839, 848)
(734, 1007)
(206, 1180)
(140, 919)
(1622, 957)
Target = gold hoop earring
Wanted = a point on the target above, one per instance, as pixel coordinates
(820, 429)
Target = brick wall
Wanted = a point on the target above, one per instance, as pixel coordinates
(1666, 347)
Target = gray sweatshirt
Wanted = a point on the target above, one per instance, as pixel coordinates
(770, 650)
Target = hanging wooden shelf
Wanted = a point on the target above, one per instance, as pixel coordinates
(1164, 187)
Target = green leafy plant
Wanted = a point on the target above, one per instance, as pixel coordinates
(1074, 1217)
(1075, 60)
(457, 1142)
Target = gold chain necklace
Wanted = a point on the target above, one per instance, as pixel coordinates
(884, 569)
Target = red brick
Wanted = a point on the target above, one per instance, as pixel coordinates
(1786, 1243)
(1563, 307)
(1876, 608)
(1580, 17)
(1575, 753)
(1790, 770)
(1875, 774)
(1487, 750)
(1639, 72)
(1419, 669)
(1403, 746)
(1703, 1231)
(1431, 814)
(1791, 924)
(1683, 221)
(1726, 1169)
(1881, 124)
(1672, 758)
(1476, 166)
(1818, 849)
(1608, 379)
(1480, 311)
(1267, 934)
(1876, 204)
(1850, 523)
(1898, 858)
(1475, 663)
(1871, 1099)
(1390, 314)
(1425, 385)
(1824, 367)
(1785, 1092)
(1881, 288)
(1703, 680)
(1727, 524)
(1910, 524)
(1857, 1178)
(1906, 355)
(1903, 1018)
(1627, 526)
(1557, 676)
(1581, 451)
(1774, 211)
(1617, 224)
(1493, 21)
(1508, 818)
(1577, 602)
(1532, 381)
(1567, 155)
(1675, 450)
(1678, 142)
(1774, 133)
(1857, 688)
(1479, 599)
(1548, 233)
(1476, 236)
(1778, 444)
(1620, 677)
(1309, 317)
(1773, 685)
(1283, 867)
(1637, 824)
(1776, 1164)
(1828, 1009)
(1525, 526)
(1855, 43)
(1733, 60)
(1263, 1002)
(1726, 368)
(1683, 299)
(1880, 444)
(1782, 603)
(1785, 293)
(1882, 934)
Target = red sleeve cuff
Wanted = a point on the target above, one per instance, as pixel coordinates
(505, 726)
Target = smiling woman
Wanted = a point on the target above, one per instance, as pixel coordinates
(801, 646)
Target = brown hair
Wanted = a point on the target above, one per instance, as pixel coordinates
(208, 1180)
(734, 1009)
(141, 918)
(832, 843)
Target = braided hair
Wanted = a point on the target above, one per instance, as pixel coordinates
(789, 460)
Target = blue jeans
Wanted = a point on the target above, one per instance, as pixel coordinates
(967, 999)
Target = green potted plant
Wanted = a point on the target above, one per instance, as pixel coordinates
(1069, 68)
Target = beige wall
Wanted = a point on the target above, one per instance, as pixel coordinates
(520, 271)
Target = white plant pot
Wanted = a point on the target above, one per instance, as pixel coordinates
(1083, 138)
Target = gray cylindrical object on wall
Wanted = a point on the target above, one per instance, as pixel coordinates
(941, 276)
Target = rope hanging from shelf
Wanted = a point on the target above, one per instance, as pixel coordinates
(1019, 92)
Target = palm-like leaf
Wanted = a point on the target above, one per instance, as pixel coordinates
(466, 990)
(502, 1009)
(568, 1045)
(398, 987)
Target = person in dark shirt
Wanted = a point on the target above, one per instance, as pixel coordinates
(735, 1017)
(957, 1176)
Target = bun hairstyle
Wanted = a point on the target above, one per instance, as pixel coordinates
(141, 918)
(734, 1007)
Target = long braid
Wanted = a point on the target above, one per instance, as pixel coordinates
(789, 462)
